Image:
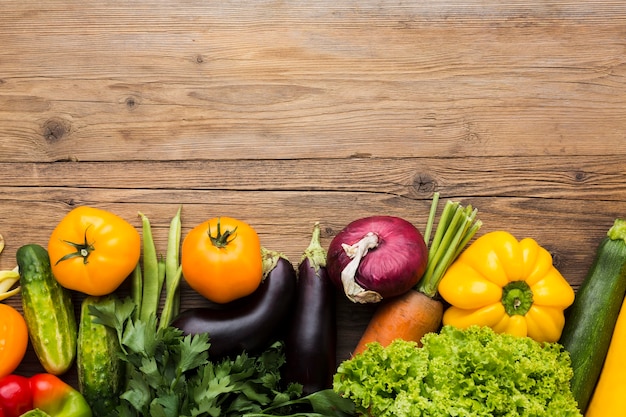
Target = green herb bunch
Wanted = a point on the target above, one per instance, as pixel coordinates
(170, 375)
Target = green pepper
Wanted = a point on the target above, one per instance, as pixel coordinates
(44, 392)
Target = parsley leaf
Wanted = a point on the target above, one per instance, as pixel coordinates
(170, 375)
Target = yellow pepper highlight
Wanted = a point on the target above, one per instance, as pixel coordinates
(509, 285)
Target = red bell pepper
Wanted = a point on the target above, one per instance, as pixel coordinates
(15, 396)
(45, 392)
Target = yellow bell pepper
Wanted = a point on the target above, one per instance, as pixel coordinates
(509, 285)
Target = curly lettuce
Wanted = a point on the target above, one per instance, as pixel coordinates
(473, 372)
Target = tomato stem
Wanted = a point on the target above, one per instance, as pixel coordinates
(83, 250)
(221, 240)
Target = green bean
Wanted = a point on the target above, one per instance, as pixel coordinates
(172, 263)
(136, 289)
(173, 272)
(171, 299)
(151, 286)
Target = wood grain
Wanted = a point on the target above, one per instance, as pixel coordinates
(284, 114)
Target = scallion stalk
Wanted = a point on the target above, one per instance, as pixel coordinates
(457, 225)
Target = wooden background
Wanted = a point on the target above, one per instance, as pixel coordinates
(284, 113)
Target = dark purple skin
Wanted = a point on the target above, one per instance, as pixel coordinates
(401, 252)
(311, 342)
(251, 323)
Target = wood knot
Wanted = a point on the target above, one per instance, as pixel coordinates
(424, 183)
(55, 128)
(199, 59)
(131, 102)
(580, 176)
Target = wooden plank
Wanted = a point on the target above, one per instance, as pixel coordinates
(578, 177)
(222, 82)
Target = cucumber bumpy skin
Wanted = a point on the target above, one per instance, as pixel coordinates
(48, 311)
(100, 368)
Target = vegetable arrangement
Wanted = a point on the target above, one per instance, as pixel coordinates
(250, 323)
(417, 312)
(459, 328)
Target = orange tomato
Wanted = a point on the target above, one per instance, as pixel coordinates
(93, 251)
(13, 339)
(221, 259)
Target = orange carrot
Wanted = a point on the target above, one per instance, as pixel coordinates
(417, 312)
(409, 317)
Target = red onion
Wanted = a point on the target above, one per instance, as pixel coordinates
(377, 257)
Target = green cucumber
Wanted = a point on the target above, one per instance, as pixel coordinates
(100, 368)
(590, 320)
(48, 310)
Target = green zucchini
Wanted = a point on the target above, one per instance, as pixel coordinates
(100, 368)
(48, 310)
(590, 320)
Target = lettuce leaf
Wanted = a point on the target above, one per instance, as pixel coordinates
(472, 372)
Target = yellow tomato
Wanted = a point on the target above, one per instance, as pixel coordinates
(93, 251)
(221, 259)
(13, 339)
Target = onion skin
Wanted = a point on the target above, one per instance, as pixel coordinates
(391, 268)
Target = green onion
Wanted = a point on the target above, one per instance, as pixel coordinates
(457, 225)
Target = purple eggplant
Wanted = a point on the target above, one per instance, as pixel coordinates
(251, 323)
(311, 341)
